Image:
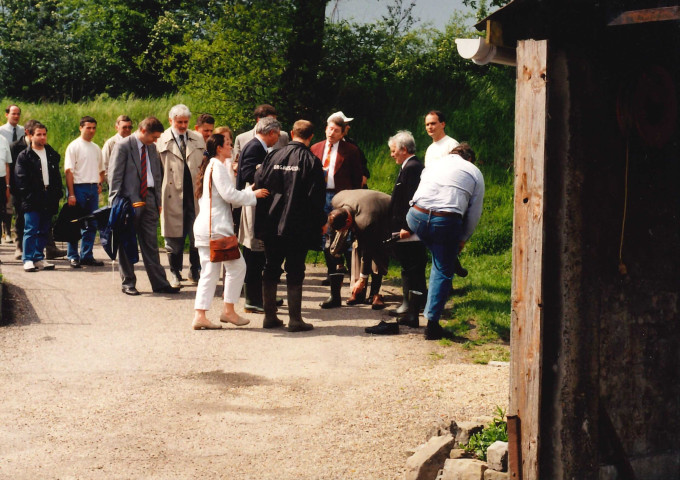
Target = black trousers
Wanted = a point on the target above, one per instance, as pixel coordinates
(3, 201)
(278, 250)
(254, 265)
(413, 259)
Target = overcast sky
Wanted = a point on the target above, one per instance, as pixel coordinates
(437, 12)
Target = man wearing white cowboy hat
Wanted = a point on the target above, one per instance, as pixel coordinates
(364, 163)
(341, 163)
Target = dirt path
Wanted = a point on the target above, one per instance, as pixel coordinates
(98, 385)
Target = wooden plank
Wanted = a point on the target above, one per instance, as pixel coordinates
(661, 14)
(527, 251)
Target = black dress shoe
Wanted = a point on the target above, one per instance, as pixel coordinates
(130, 290)
(167, 289)
(91, 262)
(383, 328)
(74, 262)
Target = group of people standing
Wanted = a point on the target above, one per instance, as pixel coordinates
(281, 195)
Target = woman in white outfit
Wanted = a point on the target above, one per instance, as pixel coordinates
(224, 196)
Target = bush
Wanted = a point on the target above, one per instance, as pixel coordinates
(497, 430)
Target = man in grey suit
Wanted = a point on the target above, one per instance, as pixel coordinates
(135, 173)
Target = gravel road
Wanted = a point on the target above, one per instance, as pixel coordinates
(95, 384)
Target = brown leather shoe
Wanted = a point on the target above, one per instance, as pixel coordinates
(377, 302)
(357, 299)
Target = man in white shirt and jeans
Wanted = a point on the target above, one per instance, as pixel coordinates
(84, 169)
(442, 144)
(444, 212)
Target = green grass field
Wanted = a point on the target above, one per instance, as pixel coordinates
(479, 311)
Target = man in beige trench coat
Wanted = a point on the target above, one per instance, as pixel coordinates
(181, 153)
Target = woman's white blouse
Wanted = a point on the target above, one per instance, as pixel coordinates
(224, 196)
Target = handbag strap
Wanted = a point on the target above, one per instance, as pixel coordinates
(210, 208)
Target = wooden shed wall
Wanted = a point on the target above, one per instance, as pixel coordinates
(611, 342)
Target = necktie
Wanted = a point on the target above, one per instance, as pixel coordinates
(327, 160)
(183, 147)
(142, 183)
(14, 134)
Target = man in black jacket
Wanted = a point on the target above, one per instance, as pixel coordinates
(409, 249)
(39, 184)
(289, 220)
(51, 250)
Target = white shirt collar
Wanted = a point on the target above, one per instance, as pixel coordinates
(406, 161)
(264, 145)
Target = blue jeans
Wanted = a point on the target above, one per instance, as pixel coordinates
(87, 196)
(327, 208)
(36, 227)
(441, 235)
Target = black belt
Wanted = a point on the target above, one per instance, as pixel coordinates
(90, 184)
(330, 190)
(438, 214)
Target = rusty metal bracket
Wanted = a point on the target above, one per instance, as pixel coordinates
(514, 447)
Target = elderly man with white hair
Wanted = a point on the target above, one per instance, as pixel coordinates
(181, 153)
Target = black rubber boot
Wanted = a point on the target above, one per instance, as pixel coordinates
(295, 321)
(376, 284)
(253, 294)
(335, 300)
(269, 300)
(411, 319)
(402, 309)
(331, 266)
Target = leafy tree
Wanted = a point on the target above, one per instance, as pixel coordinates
(74, 49)
(30, 64)
(300, 84)
(236, 62)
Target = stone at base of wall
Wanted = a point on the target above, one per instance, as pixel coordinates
(463, 469)
(428, 459)
(494, 475)
(497, 456)
(466, 430)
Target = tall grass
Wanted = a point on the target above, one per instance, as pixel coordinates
(62, 119)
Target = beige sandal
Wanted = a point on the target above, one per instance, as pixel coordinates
(206, 326)
(239, 322)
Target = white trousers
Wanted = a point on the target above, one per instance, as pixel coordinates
(235, 272)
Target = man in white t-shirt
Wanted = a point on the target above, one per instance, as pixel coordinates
(442, 144)
(123, 129)
(84, 169)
